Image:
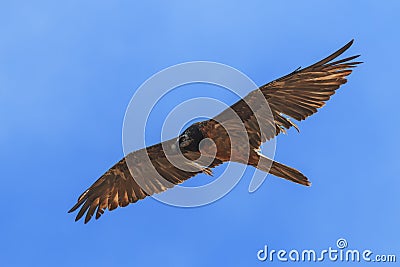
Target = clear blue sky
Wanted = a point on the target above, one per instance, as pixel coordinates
(69, 68)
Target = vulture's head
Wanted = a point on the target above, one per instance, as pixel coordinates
(190, 139)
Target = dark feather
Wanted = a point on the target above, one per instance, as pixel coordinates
(117, 187)
(298, 94)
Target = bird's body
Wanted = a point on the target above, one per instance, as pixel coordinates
(234, 135)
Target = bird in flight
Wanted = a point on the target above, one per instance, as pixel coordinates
(236, 135)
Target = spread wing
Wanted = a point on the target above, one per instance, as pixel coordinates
(296, 95)
(153, 172)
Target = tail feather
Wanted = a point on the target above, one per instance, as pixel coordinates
(288, 173)
(266, 164)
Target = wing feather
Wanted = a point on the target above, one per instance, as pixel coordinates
(297, 95)
(117, 187)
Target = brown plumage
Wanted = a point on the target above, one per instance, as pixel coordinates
(296, 95)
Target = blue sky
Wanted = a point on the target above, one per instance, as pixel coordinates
(68, 70)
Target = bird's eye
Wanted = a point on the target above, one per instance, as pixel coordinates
(184, 140)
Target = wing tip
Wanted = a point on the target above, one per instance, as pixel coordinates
(347, 46)
(333, 55)
(87, 219)
(75, 207)
(351, 42)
